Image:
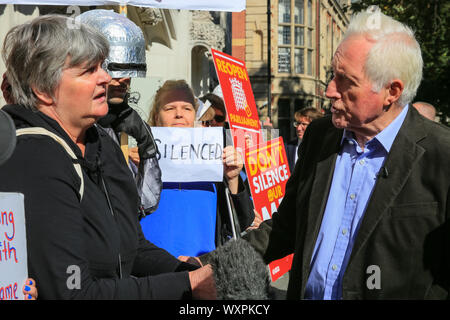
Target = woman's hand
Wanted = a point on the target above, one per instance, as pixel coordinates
(256, 222)
(192, 260)
(29, 289)
(232, 166)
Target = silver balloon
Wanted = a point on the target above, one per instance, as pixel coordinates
(127, 43)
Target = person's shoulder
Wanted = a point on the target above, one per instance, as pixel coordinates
(109, 145)
(319, 129)
(416, 125)
(322, 123)
(292, 142)
(437, 137)
(43, 152)
(436, 129)
(38, 160)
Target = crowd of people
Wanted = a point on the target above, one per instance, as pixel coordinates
(369, 186)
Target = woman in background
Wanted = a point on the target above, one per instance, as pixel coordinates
(192, 218)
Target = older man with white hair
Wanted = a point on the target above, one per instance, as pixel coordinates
(366, 211)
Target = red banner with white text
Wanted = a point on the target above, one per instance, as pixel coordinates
(267, 172)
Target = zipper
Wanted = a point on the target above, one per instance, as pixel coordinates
(110, 208)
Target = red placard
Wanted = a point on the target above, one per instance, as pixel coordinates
(242, 113)
(242, 116)
(267, 172)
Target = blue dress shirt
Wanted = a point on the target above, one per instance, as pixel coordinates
(355, 174)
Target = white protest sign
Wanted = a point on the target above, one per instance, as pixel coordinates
(190, 154)
(13, 246)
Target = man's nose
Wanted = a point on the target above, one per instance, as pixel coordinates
(331, 91)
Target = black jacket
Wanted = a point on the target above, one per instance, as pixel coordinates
(291, 149)
(406, 225)
(98, 239)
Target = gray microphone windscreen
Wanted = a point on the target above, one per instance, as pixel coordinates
(239, 272)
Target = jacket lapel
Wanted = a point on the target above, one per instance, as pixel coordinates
(403, 155)
(319, 194)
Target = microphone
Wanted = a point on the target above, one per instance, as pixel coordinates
(383, 172)
(239, 272)
(7, 136)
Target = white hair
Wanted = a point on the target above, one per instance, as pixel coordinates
(395, 55)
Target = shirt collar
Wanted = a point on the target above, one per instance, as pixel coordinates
(387, 136)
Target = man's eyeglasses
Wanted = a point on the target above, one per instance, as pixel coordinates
(219, 118)
(296, 124)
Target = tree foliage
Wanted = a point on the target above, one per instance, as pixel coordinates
(430, 20)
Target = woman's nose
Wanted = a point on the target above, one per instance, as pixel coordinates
(104, 76)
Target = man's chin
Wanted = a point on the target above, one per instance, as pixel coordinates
(115, 100)
(339, 121)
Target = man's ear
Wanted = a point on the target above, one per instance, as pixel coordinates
(42, 96)
(393, 91)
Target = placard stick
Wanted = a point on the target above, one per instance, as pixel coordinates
(124, 146)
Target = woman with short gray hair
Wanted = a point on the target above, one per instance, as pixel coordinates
(83, 235)
(42, 49)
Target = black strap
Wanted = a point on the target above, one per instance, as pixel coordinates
(114, 66)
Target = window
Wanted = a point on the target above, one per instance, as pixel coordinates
(284, 11)
(310, 63)
(310, 13)
(299, 61)
(299, 36)
(284, 35)
(299, 12)
(284, 59)
(296, 35)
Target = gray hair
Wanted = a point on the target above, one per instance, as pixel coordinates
(36, 53)
(395, 55)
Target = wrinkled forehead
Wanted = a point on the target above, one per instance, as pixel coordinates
(352, 53)
(85, 63)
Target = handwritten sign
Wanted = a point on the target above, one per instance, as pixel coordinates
(13, 247)
(190, 154)
(268, 171)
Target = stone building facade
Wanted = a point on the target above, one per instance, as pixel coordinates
(303, 37)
